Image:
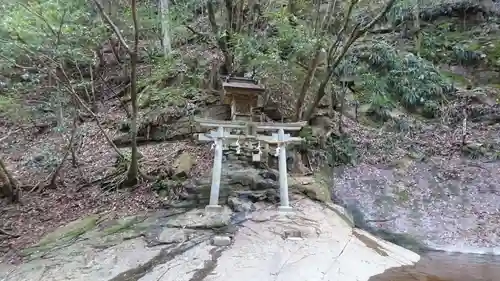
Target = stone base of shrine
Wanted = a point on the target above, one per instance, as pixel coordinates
(214, 209)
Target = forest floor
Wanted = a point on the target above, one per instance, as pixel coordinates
(32, 157)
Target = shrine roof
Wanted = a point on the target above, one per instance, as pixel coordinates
(246, 84)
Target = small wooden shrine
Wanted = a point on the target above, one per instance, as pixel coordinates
(243, 95)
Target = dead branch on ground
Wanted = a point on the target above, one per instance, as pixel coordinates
(8, 234)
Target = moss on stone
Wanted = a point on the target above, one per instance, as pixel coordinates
(64, 234)
(71, 230)
(403, 195)
(122, 225)
(315, 188)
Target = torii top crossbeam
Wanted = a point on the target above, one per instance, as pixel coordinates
(259, 126)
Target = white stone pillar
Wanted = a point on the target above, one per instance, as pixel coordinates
(284, 201)
(216, 172)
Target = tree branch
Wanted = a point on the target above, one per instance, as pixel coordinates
(359, 31)
(204, 37)
(55, 174)
(40, 17)
(67, 84)
(112, 25)
(327, 20)
(333, 48)
(382, 13)
(334, 60)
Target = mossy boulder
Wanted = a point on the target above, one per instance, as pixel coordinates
(64, 234)
(314, 188)
(183, 165)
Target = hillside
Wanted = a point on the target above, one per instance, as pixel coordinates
(376, 84)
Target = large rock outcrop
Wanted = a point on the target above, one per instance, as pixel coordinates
(314, 243)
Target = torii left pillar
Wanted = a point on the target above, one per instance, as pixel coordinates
(283, 174)
(281, 139)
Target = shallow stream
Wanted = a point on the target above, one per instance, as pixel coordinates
(442, 266)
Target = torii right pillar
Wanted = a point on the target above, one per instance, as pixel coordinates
(283, 173)
(281, 139)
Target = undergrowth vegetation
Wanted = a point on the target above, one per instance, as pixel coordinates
(390, 78)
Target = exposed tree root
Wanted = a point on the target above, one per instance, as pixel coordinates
(118, 180)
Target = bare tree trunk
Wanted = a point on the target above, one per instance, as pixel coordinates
(319, 95)
(311, 70)
(165, 27)
(464, 127)
(109, 8)
(133, 170)
(320, 30)
(221, 40)
(292, 7)
(418, 32)
(341, 109)
(93, 102)
(231, 24)
(7, 183)
(74, 160)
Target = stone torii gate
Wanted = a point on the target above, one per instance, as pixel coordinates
(281, 139)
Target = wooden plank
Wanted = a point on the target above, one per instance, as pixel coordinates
(243, 95)
(240, 78)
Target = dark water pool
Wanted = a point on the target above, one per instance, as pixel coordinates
(442, 266)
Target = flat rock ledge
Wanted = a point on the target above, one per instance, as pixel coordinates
(315, 242)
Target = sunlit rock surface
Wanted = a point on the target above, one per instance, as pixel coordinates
(314, 243)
